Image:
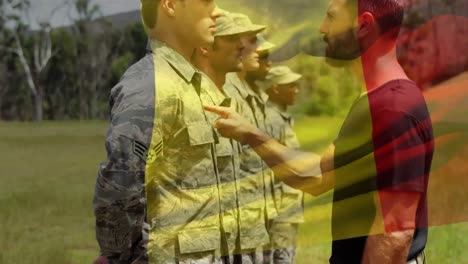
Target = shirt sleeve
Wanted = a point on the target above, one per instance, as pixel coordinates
(400, 152)
(119, 198)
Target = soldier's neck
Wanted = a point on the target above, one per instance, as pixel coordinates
(203, 64)
(173, 41)
(242, 75)
(218, 77)
(251, 82)
(281, 106)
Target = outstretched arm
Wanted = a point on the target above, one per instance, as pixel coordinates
(301, 170)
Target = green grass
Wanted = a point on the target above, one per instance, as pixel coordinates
(47, 179)
(47, 176)
(447, 195)
(316, 133)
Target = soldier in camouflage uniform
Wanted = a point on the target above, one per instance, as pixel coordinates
(257, 200)
(282, 229)
(157, 197)
(273, 253)
(223, 57)
(255, 77)
(216, 61)
(282, 87)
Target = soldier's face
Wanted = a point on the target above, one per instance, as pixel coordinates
(287, 93)
(227, 53)
(196, 21)
(264, 65)
(250, 55)
(339, 32)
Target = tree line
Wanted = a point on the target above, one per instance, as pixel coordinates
(66, 73)
(62, 73)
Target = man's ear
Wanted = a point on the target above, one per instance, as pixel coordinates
(168, 7)
(366, 24)
(204, 51)
(276, 89)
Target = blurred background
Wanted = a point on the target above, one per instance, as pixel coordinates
(59, 60)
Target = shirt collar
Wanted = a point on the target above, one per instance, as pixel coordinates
(238, 84)
(264, 96)
(216, 96)
(177, 62)
(284, 114)
(244, 89)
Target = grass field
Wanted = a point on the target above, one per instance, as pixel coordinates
(447, 196)
(47, 177)
(48, 174)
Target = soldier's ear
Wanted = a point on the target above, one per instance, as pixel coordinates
(168, 7)
(204, 51)
(276, 89)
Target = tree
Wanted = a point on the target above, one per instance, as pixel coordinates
(93, 56)
(60, 90)
(14, 33)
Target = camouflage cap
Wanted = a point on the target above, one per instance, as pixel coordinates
(263, 44)
(226, 25)
(244, 21)
(281, 75)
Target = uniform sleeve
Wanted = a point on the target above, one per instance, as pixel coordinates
(119, 198)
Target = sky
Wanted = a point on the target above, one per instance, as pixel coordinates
(41, 10)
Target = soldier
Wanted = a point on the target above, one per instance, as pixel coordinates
(159, 174)
(255, 77)
(216, 61)
(257, 182)
(281, 85)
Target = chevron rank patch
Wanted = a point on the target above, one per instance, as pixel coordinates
(154, 152)
(140, 149)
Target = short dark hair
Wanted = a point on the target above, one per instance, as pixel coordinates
(149, 10)
(388, 13)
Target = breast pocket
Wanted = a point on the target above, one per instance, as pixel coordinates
(196, 168)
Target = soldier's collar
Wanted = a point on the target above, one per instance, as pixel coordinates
(284, 114)
(263, 96)
(177, 62)
(238, 84)
(149, 48)
(216, 96)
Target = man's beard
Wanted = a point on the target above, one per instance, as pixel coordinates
(342, 49)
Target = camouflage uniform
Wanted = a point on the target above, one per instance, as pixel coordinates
(119, 198)
(256, 200)
(228, 164)
(161, 142)
(283, 229)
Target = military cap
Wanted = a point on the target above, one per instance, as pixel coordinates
(226, 25)
(263, 44)
(280, 75)
(244, 21)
